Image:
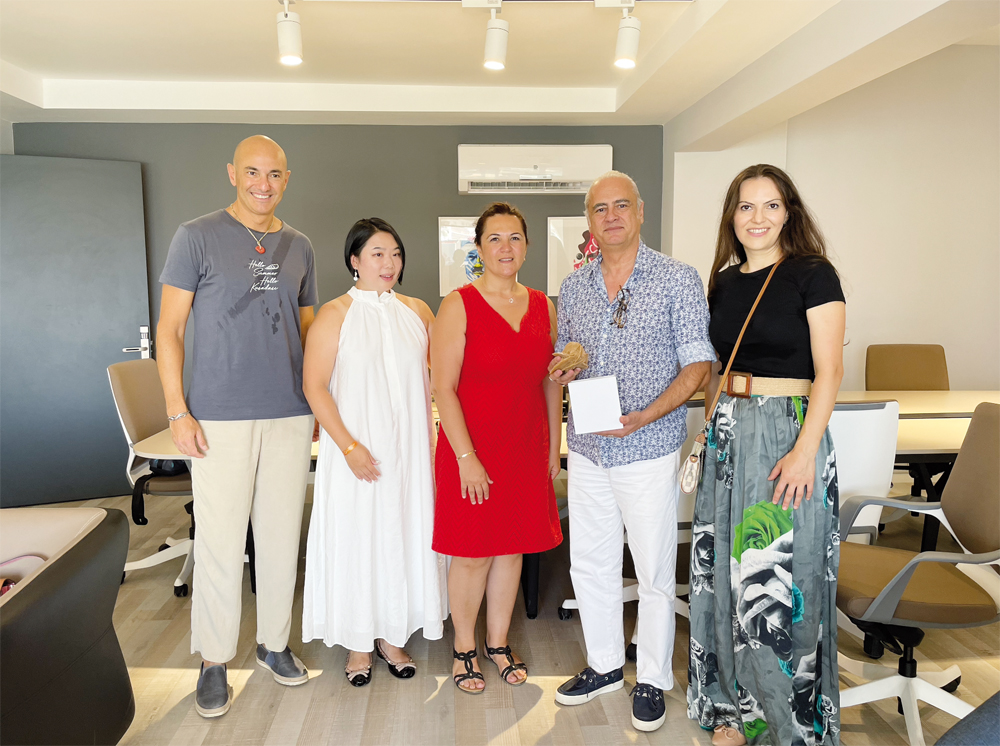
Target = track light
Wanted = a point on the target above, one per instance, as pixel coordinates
(627, 48)
(289, 36)
(495, 57)
(496, 42)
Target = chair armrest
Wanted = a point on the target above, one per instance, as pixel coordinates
(883, 608)
(850, 508)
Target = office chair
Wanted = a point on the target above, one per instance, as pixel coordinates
(864, 439)
(142, 410)
(894, 594)
(908, 368)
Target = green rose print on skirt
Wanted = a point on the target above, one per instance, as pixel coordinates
(763, 583)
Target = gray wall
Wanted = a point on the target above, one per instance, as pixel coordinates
(407, 175)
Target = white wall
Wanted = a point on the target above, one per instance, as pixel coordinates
(903, 175)
(6, 137)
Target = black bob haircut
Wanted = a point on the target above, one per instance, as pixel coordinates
(361, 233)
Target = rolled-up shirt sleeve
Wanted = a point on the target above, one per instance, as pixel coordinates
(690, 320)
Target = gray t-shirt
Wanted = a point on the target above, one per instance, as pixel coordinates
(247, 361)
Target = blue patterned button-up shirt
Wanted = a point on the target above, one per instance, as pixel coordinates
(666, 329)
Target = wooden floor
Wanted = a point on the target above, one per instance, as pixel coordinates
(154, 629)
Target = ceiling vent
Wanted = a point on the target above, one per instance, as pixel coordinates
(532, 169)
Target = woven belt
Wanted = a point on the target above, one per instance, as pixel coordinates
(745, 385)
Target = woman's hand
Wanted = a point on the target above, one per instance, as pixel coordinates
(363, 464)
(475, 481)
(796, 473)
(555, 466)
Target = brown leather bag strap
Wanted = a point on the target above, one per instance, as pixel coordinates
(732, 356)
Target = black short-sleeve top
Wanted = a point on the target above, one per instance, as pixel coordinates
(776, 344)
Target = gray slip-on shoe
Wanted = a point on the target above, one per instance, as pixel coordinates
(214, 696)
(285, 667)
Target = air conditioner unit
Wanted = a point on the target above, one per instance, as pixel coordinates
(530, 169)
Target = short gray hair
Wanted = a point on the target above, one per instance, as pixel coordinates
(611, 175)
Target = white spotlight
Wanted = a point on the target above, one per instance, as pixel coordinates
(496, 42)
(289, 36)
(627, 48)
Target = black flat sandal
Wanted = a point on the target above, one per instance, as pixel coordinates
(361, 677)
(404, 670)
(511, 665)
(470, 673)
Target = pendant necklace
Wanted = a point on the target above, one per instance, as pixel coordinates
(259, 249)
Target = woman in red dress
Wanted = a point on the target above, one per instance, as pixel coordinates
(498, 450)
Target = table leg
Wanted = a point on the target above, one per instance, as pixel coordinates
(928, 542)
(529, 583)
(252, 558)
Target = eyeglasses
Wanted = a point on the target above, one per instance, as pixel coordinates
(620, 315)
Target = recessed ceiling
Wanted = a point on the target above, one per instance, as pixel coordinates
(716, 70)
(558, 44)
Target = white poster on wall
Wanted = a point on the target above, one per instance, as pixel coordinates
(570, 247)
(458, 260)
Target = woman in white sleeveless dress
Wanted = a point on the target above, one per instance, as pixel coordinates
(372, 579)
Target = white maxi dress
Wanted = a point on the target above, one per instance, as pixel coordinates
(370, 570)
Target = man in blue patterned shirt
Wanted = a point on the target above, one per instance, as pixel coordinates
(642, 317)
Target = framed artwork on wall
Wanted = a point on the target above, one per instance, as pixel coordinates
(458, 260)
(570, 246)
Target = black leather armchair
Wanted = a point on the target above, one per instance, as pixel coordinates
(63, 678)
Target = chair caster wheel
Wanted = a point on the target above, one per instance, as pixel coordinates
(181, 590)
(565, 614)
(631, 653)
(123, 579)
(881, 527)
(952, 686)
(163, 547)
(899, 706)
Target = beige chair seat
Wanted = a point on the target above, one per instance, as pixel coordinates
(937, 592)
(169, 485)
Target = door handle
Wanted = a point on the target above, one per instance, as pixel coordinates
(144, 344)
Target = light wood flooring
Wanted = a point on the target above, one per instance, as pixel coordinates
(154, 629)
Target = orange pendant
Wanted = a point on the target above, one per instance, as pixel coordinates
(260, 249)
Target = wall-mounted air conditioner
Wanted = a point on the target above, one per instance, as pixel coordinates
(528, 169)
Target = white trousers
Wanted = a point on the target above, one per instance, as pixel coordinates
(603, 503)
(254, 469)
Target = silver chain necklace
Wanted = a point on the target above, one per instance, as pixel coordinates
(260, 249)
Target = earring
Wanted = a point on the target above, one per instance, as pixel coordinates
(355, 275)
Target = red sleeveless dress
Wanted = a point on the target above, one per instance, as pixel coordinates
(501, 389)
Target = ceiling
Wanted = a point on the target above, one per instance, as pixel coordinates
(703, 64)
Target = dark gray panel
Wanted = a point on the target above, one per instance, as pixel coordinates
(407, 175)
(73, 292)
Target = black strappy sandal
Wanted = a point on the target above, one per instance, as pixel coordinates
(511, 665)
(470, 673)
(404, 670)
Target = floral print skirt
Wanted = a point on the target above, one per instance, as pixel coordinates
(763, 651)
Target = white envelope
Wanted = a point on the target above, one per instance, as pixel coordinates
(595, 404)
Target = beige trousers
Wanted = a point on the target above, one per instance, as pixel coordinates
(254, 469)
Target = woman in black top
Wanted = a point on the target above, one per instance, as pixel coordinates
(763, 657)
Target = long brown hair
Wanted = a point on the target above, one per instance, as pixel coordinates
(799, 237)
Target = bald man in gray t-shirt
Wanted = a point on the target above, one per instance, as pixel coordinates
(250, 281)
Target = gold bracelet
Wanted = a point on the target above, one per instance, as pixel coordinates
(466, 454)
(350, 448)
